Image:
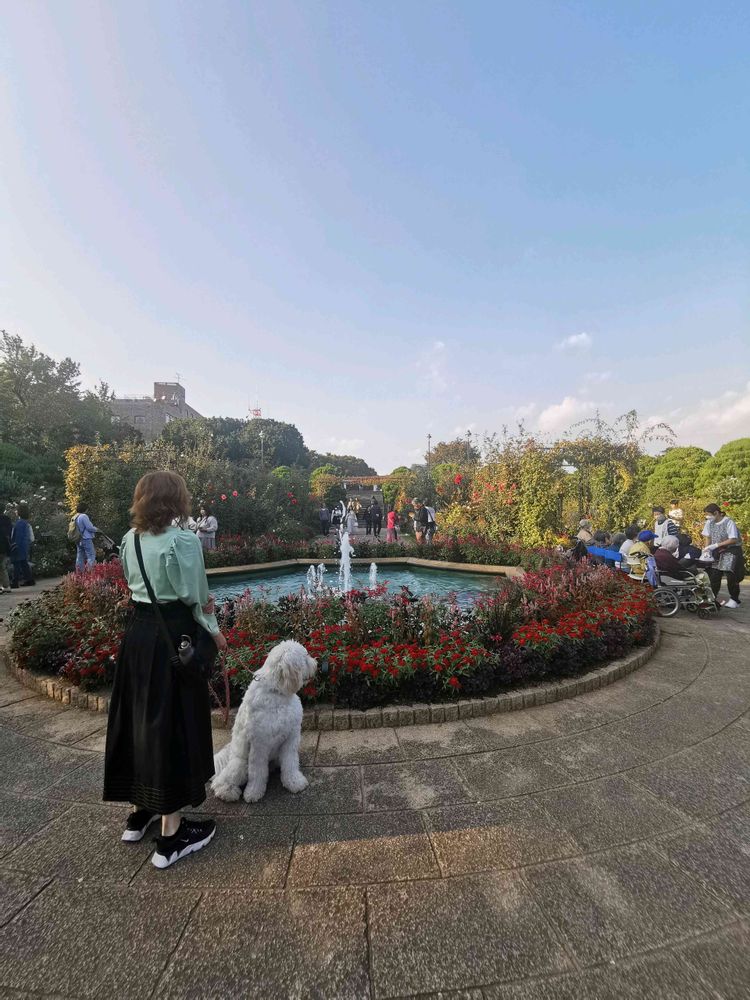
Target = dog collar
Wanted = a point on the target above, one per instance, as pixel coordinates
(268, 687)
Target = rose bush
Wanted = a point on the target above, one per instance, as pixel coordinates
(75, 630)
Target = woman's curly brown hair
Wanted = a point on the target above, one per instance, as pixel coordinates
(159, 498)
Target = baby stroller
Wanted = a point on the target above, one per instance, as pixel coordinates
(110, 551)
(693, 593)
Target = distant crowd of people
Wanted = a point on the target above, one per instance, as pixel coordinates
(673, 550)
(424, 520)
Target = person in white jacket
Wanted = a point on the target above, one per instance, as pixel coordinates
(663, 526)
(207, 527)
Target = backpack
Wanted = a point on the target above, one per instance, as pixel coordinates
(74, 532)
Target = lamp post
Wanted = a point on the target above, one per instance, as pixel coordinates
(429, 440)
(468, 447)
(261, 450)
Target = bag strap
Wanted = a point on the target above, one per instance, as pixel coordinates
(152, 595)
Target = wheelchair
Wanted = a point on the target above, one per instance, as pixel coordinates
(693, 594)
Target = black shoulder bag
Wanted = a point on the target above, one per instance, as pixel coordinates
(189, 660)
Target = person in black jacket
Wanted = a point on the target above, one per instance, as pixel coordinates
(377, 518)
(421, 521)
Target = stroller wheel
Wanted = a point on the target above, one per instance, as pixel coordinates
(667, 602)
(691, 606)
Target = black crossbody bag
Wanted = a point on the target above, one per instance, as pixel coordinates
(188, 659)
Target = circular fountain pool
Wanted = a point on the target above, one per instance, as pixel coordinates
(440, 583)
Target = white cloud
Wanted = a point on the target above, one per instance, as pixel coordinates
(576, 343)
(525, 411)
(597, 378)
(558, 417)
(346, 446)
(712, 422)
(432, 369)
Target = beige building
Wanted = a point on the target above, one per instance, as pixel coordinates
(151, 414)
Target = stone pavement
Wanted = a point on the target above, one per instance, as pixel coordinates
(586, 850)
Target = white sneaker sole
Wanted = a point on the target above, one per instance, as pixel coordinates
(133, 836)
(159, 861)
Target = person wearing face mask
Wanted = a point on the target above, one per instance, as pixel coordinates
(206, 527)
(663, 526)
(724, 543)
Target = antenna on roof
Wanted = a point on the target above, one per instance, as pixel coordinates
(179, 376)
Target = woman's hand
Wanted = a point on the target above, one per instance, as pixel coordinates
(209, 607)
(221, 642)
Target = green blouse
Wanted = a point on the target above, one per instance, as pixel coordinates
(175, 568)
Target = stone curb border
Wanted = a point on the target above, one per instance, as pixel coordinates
(326, 718)
(486, 568)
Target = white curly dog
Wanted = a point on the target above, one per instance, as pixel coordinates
(267, 729)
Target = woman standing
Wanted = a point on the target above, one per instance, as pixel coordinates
(159, 752)
(207, 528)
(725, 545)
(390, 526)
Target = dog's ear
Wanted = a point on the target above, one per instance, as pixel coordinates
(288, 673)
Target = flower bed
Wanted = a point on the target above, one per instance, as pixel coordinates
(74, 631)
(372, 648)
(239, 550)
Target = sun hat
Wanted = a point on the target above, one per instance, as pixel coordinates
(646, 536)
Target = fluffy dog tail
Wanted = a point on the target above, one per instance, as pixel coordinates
(221, 759)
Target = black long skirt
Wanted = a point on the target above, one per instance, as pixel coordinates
(159, 752)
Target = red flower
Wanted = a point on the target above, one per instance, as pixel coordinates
(235, 493)
(223, 496)
(725, 504)
(455, 683)
(458, 479)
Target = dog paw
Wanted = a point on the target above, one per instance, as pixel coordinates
(252, 794)
(295, 782)
(227, 793)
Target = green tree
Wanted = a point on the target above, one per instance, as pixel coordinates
(325, 485)
(731, 460)
(345, 465)
(42, 407)
(219, 437)
(399, 489)
(674, 476)
(282, 443)
(459, 451)
(605, 460)
(725, 479)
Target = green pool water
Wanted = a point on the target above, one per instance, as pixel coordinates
(441, 583)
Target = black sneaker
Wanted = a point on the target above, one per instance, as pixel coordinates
(137, 824)
(191, 837)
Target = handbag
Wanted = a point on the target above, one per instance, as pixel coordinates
(196, 659)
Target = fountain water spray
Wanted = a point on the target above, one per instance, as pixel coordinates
(345, 563)
(315, 583)
(373, 576)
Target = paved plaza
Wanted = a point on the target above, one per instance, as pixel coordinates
(591, 849)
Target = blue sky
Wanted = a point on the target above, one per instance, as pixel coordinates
(385, 219)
